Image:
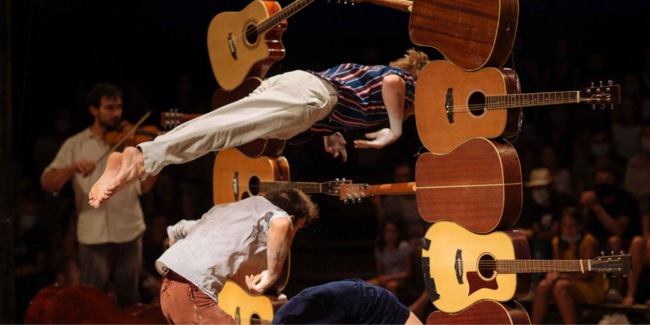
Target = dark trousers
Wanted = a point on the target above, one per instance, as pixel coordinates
(121, 261)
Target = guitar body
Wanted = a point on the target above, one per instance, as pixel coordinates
(233, 55)
(245, 308)
(441, 132)
(477, 185)
(450, 257)
(485, 313)
(234, 173)
(258, 147)
(471, 34)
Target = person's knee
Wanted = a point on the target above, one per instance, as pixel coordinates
(392, 82)
(392, 285)
(544, 286)
(638, 243)
(561, 288)
(615, 242)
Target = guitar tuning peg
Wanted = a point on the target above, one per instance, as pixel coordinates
(352, 3)
(593, 106)
(622, 252)
(359, 200)
(601, 83)
(343, 178)
(612, 106)
(336, 179)
(338, 2)
(346, 201)
(612, 252)
(592, 84)
(345, 3)
(609, 82)
(602, 106)
(602, 253)
(625, 275)
(605, 276)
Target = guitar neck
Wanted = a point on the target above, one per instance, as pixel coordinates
(285, 13)
(533, 99)
(312, 188)
(391, 189)
(402, 5)
(535, 266)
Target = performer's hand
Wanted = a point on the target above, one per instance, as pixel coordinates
(257, 284)
(335, 144)
(380, 138)
(84, 166)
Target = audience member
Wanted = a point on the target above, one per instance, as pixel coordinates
(637, 175)
(626, 132)
(569, 289)
(562, 180)
(584, 162)
(393, 258)
(640, 252)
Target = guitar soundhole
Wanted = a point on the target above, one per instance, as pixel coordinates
(255, 319)
(251, 34)
(254, 185)
(476, 103)
(487, 266)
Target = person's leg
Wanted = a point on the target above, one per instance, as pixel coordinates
(392, 286)
(616, 245)
(418, 306)
(566, 296)
(127, 262)
(636, 250)
(210, 310)
(413, 320)
(540, 304)
(288, 105)
(93, 265)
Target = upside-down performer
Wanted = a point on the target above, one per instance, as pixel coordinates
(299, 104)
(351, 301)
(204, 253)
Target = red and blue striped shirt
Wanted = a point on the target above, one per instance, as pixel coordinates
(360, 103)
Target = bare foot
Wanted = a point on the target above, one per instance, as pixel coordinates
(100, 189)
(132, 169)
(628, 301)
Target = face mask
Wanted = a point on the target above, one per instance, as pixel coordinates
(571, 240)
(604, 189)
(27, 221)
(645, 142)
(600, 149)
(541, 196)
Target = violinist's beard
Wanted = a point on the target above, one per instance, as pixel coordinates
(110, 126)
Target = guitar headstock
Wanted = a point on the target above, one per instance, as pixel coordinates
(333, 187)
(345, 2)
(354, 193)
(614, 264)
(601, 95)
(171, 119)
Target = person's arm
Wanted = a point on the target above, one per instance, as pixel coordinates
(54, 179)
(616, 226)
(180, 230)
(147, 184)
(393, 92)
(277, 248)
(407, 270)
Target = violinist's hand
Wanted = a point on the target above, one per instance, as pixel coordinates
(380, 138)
(257, 284)
(335, 144)
(84, 166)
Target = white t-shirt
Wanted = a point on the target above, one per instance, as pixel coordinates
(118, 220)
(210, 250)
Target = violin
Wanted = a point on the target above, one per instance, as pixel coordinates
(141, 134)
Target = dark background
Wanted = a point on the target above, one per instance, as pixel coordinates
(156, 51)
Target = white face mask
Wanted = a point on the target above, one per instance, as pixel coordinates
(541, 196)
(645, 142)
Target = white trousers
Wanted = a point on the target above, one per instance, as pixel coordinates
(280, 108)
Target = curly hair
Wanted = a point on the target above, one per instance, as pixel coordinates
(413, 62)
(294, 202)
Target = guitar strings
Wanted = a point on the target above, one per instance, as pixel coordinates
(482, 107)
(265, 21)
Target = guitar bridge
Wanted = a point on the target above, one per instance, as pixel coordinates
(458, 266)
(232, 47)
(449, 105)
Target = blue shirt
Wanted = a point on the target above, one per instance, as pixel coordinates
(351, 301)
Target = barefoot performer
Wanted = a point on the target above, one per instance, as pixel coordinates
(204, 253)
(299, 105)
(110, 238)
(351, 301)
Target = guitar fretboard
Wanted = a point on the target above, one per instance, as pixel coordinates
(534, 99)
(534, 266)
(303, 186)
(285, 13)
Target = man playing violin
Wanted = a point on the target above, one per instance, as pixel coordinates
(110, 238)
(298, 105)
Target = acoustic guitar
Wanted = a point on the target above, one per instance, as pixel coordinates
(246, 43)
(461, 268)
(248, 309)
(477, 185)
(220, 98)
(237, 177)
(485, 312)
(471, 34)
(452, 105)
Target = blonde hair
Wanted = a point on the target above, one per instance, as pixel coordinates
(412, 62)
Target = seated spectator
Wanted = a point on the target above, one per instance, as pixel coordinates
(393, 258)
(562, 182)
(637, 175)
(640, 251)
(626, 131)
(570, 288)
(600, 151)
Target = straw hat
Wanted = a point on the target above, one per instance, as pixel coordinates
(539, 177)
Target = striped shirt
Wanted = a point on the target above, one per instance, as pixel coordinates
(360, 103)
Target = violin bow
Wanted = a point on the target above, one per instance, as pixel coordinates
(126, 135)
